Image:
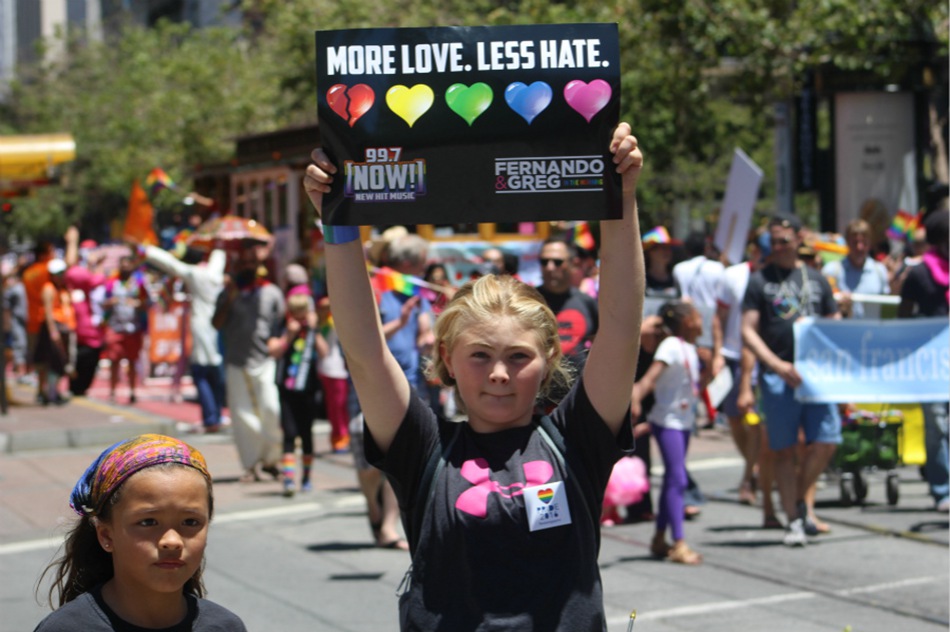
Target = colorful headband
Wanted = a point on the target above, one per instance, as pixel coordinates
(120, 461)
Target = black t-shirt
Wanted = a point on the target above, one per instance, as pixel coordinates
(576, 314)
(920, 288)
(89, 613)
(781, 298)
(478, 565)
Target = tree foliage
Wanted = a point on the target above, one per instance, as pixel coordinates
(699, 78)
(168, 96)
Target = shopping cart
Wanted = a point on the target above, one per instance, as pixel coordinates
(869, 441)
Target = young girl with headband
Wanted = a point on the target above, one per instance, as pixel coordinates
(503, 510)
(674, 379)
(134, 558)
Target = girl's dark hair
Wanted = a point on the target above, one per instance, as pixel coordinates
(84, 564)
(674, 314)
(432, 267)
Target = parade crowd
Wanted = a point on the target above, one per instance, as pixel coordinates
(268, 341)
(265, 348)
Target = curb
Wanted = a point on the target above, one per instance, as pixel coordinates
(122, 423)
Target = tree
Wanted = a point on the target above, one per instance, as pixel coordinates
(168, 96)
(699, 78)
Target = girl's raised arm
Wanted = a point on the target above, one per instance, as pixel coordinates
(380, 383)
(611, 366)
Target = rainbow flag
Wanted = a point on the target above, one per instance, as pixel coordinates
(904, 224)
(658, 235)
(157, 180)
(387, 280)
(583, 238)
(327, 326)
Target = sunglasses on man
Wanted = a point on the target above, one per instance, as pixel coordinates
(557, 262)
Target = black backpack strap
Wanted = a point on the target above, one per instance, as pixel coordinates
(552, 435)
(424, 495)
(426, 488)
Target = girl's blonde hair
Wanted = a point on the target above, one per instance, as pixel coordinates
(300, 304)
(486, 300)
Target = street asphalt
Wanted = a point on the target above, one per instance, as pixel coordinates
(307, 563)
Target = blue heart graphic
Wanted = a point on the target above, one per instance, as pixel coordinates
(528, 101)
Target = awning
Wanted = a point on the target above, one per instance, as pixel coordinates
(33, 157)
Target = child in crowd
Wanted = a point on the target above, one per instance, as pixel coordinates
(295, 348)
(673, 377)
(507, 484)
(334, 378)
(134, 559)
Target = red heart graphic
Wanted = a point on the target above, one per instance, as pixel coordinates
(350, 103)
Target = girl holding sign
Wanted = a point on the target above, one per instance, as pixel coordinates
(502, 511)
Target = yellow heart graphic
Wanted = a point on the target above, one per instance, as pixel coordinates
(410, 103)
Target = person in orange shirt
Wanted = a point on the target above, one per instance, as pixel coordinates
(34, 278)
(56, 342)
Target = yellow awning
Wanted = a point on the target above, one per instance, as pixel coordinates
(32, 157)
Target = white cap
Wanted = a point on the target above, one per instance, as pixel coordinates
(56, 266)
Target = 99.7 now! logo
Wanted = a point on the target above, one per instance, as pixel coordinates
(383, 177)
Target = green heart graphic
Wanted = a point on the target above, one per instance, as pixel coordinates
(469, 101)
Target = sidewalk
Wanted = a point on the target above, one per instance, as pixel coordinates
(91, 420)
(44, 449)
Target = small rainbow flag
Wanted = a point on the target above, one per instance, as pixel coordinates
(658, 235)
(388, 280)
(904, 224)
(157, 180)
(327, 326)
(583, 238)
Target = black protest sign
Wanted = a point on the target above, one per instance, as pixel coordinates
(470, 124)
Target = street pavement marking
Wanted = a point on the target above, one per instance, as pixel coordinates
(904, 583)
(352, 500)
(289, 510)
(705, 609)
(700, 465)
(30, 545)
(702, 609)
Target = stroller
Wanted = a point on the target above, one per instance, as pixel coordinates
(869, 440)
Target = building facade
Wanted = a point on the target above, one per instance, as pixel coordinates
(25, 23)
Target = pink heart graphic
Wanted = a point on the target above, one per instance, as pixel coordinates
(351, 103)
(587, 99)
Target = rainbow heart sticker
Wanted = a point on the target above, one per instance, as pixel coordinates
(469, 102)
(410, 103)
(351, 103)
(546, 495)
(528, 101)
(587, 98)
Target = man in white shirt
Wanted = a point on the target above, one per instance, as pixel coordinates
(698, 276)
(732, 287)
(204, 283)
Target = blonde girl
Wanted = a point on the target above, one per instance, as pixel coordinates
(504, 527)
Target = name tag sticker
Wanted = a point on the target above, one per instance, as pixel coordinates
(547, 506)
